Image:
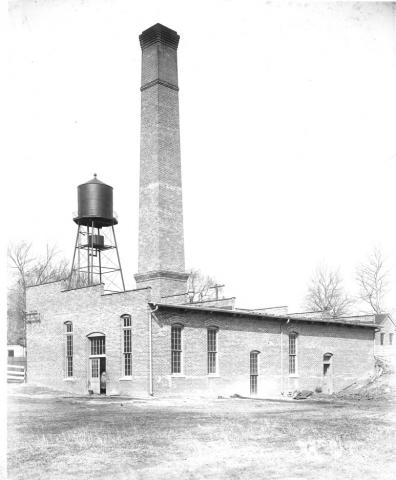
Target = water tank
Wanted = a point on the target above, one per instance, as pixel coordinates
(96, 241)
(95, 204)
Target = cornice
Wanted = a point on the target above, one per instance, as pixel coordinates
(159, 34)
(159, 82)
(142, 277)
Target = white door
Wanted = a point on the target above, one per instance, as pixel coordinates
(94, 376)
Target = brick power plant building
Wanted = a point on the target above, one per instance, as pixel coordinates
(152, 340)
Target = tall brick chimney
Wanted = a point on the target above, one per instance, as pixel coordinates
(161, 237)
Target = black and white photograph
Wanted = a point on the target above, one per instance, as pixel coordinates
(200, 240)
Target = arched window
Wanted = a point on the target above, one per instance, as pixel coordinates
(176, 349)
(327, 386)
(69, 349)
(292, 353)
(212, 350)
(126, 345)
(253, 371)
(327, 357)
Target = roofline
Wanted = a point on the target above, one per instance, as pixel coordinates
(308, 311)
(47, 283)
(359, 316)
(126, 291)
(208, 301)
(263, 308)
(239, 313)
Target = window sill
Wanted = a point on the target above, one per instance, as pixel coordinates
(294, 375)
(178, 375)
(70, 379)
(213, 375)
(125, 379)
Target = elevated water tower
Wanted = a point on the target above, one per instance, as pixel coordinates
(96, 259)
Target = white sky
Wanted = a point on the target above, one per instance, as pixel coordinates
(287, 132)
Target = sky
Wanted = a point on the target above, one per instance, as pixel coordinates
(287, 117)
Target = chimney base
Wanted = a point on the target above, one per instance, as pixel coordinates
(163, 283)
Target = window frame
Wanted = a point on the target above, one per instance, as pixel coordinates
(179, 351)
(214, 352)
(69, 348)
(254, 374)
(126, 326)
(382, 338)
(97, 346)
(390, 338)
(293, 357)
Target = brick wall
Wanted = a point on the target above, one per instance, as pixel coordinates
(163, 284)
(89, 311)
(352, 350)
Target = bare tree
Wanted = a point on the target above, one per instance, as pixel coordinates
(372, 278)
(15, 317)
(199, 286)
(326, 293)
(32, 270)
(29, 270)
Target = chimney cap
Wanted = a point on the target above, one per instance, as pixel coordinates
(159, 34)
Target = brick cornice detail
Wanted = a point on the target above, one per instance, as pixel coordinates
(142, 277)
(159, 82)
(159, 34)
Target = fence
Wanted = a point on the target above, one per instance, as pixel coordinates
(16, 373)
(17, 361)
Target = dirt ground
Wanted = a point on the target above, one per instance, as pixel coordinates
(52, 435)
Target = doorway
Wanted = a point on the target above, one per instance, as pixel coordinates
(97, 375)
(327, 383)
(97, 364)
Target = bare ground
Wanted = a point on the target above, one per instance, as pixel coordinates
(55, 436)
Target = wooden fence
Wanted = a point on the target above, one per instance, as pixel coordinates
(16, 373)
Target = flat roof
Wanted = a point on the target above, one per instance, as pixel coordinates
(244, 313)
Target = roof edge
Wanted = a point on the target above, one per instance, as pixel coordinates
(261, 315)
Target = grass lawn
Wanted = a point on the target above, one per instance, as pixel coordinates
(52, 436)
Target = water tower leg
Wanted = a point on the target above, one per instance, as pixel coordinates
(74, 256)
(118, 257)
(100, 266)
(92, 254)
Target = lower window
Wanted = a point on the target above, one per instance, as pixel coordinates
(127, 364)
(212, 351)
(176, 349)
(253, 372)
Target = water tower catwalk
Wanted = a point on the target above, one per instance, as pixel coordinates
(96, 259)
